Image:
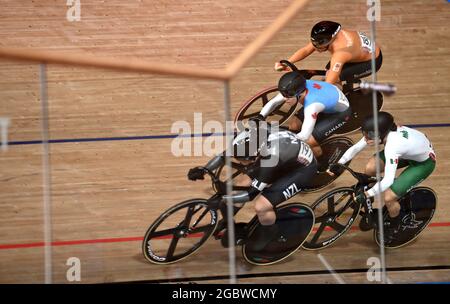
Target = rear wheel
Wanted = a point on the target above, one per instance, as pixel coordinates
(179, 232)
(420, 205)
(295, 222)
(361, 105)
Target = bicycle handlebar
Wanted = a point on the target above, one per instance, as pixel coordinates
(360, 177)
(305, 73)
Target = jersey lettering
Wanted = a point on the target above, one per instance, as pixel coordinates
(291, 191)
(365, 42)
(305, 154)
(258, 185)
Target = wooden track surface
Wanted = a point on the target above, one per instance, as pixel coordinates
(105, 192)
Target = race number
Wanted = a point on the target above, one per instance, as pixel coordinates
(365, 42)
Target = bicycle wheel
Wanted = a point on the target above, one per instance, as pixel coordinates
(333, 148)
(179, 232)
(254, 105)
(295, 222)
(335, 213)
(420, 203)
(238, 173)
(361, 105)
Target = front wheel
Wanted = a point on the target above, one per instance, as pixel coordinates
(179, 232)
(335, 213)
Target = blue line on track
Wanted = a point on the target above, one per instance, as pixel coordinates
(79, 140)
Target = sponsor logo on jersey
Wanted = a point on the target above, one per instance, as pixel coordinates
(291, 191)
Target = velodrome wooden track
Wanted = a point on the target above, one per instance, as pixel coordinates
(106, 191)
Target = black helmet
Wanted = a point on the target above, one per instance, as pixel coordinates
(291, 84)
(323, 33)
(385, 124)
(247, 143)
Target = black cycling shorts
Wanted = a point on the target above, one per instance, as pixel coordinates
(327, 124)
(289, 184)
(352, 70)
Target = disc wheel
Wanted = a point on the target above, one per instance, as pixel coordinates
(295, 222)
(420, 203)
(179, 232)
(361, 105)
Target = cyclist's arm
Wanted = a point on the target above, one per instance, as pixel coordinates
(216, 162)
(263, 178)
(389, 172)
(272, 104)
(309, 121)
(249, 195)
(302, 53)
(336, 63)
(353, 151)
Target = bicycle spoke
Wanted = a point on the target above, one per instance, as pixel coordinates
(318, 233)
(336, 226)
(190, 212)
(322, 218)
(254, 114)
(173, 245)
(349, 204)
(279, 112)
(200, 229)
(200, 218)
(330, 202)
(164, 232)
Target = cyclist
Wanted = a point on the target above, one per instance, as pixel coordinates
(325, 109)
(350, 52)
(403, 148)
(280, 165)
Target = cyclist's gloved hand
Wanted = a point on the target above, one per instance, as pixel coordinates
(196, 173)
(360, 197)
(335, 169)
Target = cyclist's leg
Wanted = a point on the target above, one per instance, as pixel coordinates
(371, 164)
(327, 125)
(356, 70)
(414, 174)
(280, 191)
